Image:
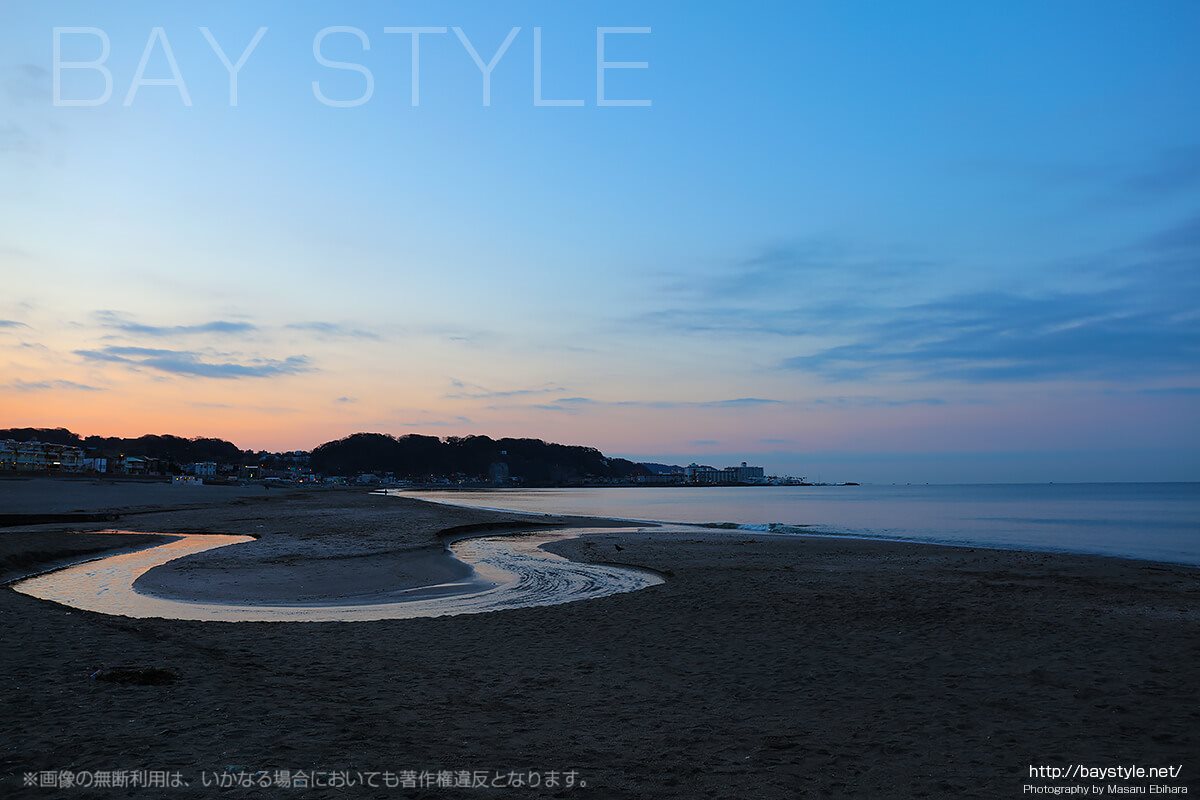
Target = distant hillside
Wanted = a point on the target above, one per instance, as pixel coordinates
(414, 456)
(47, 435)
(661, 469)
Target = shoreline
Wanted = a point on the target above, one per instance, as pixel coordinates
(808, 530)
(772, 666)
(432, 565)
(168, 587)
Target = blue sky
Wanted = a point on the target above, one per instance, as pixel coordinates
(920, 241)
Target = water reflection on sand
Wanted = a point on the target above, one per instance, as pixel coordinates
(512, 572)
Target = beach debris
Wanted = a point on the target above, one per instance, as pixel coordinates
(135, 676)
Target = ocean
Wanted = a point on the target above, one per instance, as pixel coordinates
(1152, 521)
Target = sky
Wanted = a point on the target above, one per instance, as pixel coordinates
(906, 242)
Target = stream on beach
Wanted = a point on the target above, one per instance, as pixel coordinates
(510, 571)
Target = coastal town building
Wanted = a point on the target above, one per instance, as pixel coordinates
(747, 474)
(661, 478)
(696, 473)
(39, 457)
(97, 464)
(133, 465)
(706, 475)
(202, 469)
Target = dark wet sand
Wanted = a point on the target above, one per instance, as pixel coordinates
(766, 667)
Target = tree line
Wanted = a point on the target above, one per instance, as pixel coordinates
(415, 457)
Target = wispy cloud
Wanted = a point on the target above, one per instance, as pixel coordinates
(12, 323)
(818, 266)
(15, 139)
(1133, 315)
(1143, 177)
(115, 321)
(1169, 171)
(346, 400)
(456, 334)
(574, 405)
(732, 319)
(1172, 391)
(461, 390)
(26, 83)
(789, 290)
(50, 386)
(333, 330)
(1182, 238)
(1002, 336)
(871, 401)
(812, 319)
(193, 364)
(737, 402)
(9, 251)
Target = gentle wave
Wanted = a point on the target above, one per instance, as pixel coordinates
(1155, 522)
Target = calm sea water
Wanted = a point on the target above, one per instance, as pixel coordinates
(1156, 521)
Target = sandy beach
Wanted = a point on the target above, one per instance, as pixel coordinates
(764, 667)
